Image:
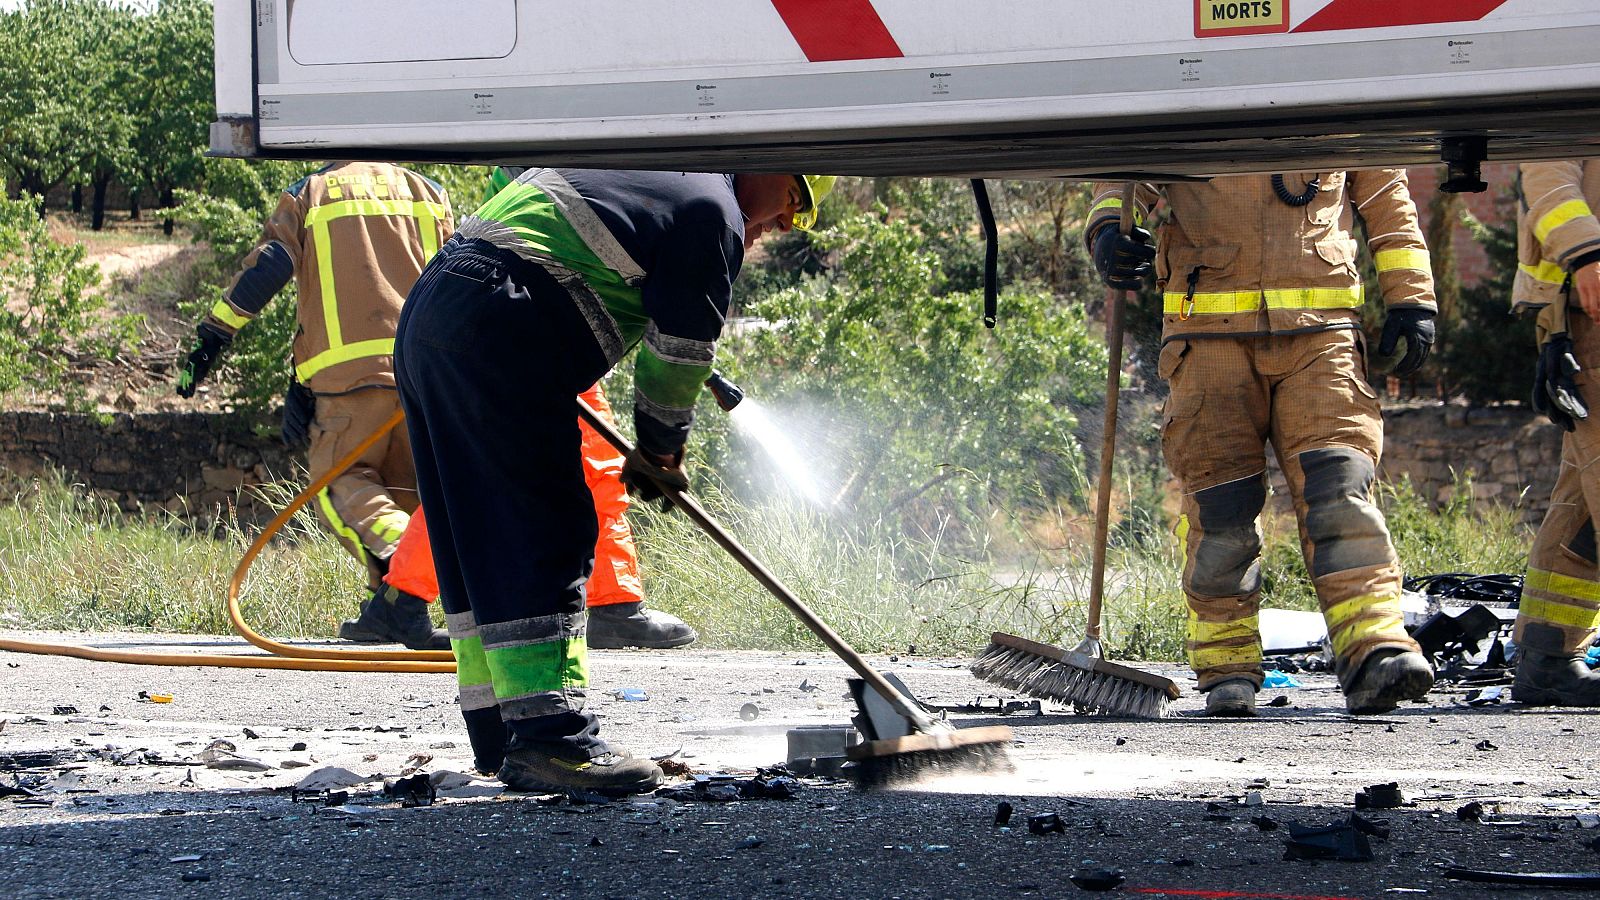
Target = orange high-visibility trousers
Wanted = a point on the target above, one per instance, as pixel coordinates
(616, 561)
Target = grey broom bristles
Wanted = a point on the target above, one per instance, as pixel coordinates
(1066, 676)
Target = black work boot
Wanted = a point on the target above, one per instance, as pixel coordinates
(1386, 677)
(539, 768)
(392, 616)
(1554, 679)
(1235, 697)
(622, 625)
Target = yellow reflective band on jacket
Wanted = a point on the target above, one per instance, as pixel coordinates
(1116, 204)
(1402, 258)
(224, 313)
(339, 527)
(1562, 585)
(1558, 217)
(390, 526)
(1546, 272)
(425, 212)
(1571, 615)
(1225, 302)
(343, 353)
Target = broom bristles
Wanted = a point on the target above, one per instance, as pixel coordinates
(971, 751)
(1060, 676)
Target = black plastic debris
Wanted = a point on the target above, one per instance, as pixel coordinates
(65, 711)
(1569, 880)
(1022, 707)
(749, 843)
(1046, 823)
(416, 790)
(1448, 636)
(1002, 813)
(1378, 828)
(1381, 796)
(319, 798)
(1263, 823)
(775, 783)
(1280, 700)
(297, 747)
(1470, 812)
(34, 759)
(1338, 841)
(1485, 745)
(195, 876)
(1088, 879)
(1485, 696)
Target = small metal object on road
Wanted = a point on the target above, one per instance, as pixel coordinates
(1046, 823)
(749, 712)
(1097, 879)
(1588, 820)
(749, 843)
(1002, 813)
(1532, 879)
(65, 711)
(417, 790)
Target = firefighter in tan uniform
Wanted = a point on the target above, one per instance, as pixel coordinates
(1262, 342)
(1559, 257)
(354, 236)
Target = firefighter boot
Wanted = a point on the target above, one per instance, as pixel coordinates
(1235, 697)
(619, 625)
(546, 768)
(392, 616)
(1556, 678)
(1388, 676)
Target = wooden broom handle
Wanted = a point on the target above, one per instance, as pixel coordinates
(1108, 438)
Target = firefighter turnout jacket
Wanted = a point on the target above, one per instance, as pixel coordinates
(1556, 229)
(1234, 260)
(355, 236)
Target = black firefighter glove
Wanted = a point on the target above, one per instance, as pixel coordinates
(1415, 324)
(208, 347)
(1123, 260)
(644, 473)
(1555, 393)
(299, 408)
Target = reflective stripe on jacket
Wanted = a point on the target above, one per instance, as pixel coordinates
(1556, 228)
(355, 236)
(1234, 259)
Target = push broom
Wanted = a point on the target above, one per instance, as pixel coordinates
(1081, 676)
(930, 747)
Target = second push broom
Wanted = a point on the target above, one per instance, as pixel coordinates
(1081, 677)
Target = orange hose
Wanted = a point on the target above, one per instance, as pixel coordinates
(236, 616)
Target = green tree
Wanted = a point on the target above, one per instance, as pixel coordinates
(57, 84)
(48, 316)
(923, 411)
(171, 65)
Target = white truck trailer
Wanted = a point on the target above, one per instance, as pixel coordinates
(912, 87)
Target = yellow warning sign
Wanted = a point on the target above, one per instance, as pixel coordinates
(1216, 18)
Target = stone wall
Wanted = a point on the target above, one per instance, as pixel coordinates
(1512, 453)
(194, 464)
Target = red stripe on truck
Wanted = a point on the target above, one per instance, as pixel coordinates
(1341, 15)
(837, 29)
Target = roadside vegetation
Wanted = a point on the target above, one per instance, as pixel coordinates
(937, 482)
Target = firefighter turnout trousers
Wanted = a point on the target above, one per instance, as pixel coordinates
(491, 351)
(1307, 395)
(616, 568)
(1560, 609)
(368, 506)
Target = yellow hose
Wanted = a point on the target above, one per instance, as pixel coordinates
(305, 659)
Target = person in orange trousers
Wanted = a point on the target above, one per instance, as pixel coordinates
(617, 616)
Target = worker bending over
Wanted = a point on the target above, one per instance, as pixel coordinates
(1559, 255)
(354, 236)
(1262, 342)
(536, 297)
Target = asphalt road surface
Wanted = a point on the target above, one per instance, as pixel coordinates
(122, 803)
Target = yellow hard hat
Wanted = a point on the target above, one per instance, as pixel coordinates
(815, 188)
